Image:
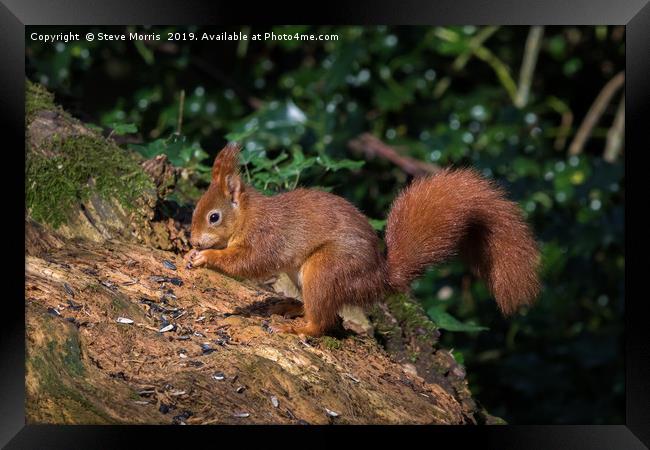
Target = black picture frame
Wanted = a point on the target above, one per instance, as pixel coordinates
(16, 14)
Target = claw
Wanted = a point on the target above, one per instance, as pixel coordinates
(189, 257)
(283, 328)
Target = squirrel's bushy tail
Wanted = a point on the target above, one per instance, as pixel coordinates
(460, 212)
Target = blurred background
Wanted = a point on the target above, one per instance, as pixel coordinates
(538, 109)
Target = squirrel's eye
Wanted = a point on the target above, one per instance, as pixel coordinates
(214, 217)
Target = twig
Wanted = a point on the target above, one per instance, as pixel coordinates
(462, 59)
(181, 106)
(616, 134)
(371, 147)
(501, 69)
(531, 52)
(474, 43)
(595, 112)
(142, 325)
(242, 47)
(563, 131)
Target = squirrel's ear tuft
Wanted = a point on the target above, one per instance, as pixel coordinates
(226, 162)
(225, 172)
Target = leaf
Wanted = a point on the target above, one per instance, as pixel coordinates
(333, 165)
(446, 321)
(458, 356)
(94, 127)
(121, 129)
(377, 224)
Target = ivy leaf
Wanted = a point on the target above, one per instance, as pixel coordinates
(332, 165)
(120, 129)
(446, 321)
(377, 224)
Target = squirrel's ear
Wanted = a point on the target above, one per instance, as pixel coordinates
(226, 162)
(225, 172)
(233, 188)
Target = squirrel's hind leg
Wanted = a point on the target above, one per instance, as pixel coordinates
(321, 298)
(288, 309)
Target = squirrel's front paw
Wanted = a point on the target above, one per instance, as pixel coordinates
(195, 258)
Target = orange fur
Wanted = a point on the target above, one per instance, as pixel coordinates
(458, 211)
(330, 250)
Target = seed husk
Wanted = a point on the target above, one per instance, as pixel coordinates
(181, 418)
(73, 306)
(168, 264)
(167, 328)
(68, 289)
(356, 380)
(331, 413)
(108, 284)
(205, 347)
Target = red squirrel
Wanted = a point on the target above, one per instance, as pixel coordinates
(330, 251)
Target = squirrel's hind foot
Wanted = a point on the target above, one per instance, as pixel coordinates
(309, 329)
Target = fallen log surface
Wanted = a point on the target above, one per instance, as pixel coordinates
(119, 331)
(217, 363)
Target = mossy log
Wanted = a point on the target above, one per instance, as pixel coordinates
(118, 331)
(84, 185)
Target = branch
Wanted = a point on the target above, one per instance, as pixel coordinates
(564, 130)
(373, 147)
(616, 134)
(461, 60)
(595, 112)
(500, 68)
(476, 42)
(533, 44)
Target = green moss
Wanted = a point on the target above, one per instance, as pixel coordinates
(122, 305)
(331, 343)
(411, 316)
(93, 287)
(56, 185)
(52, 366)
(37, 98)
(497, 421)
(72, 356)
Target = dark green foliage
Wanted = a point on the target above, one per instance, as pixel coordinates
(445, 95)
